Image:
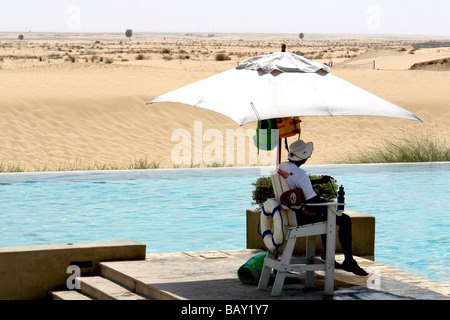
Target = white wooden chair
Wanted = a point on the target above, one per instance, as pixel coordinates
(309, 262)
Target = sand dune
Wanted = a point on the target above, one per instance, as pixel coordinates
(55, 114)
(433, 65)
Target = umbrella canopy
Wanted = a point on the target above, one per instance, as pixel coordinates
(281, 84)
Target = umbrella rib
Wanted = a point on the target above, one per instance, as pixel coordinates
(255, 111)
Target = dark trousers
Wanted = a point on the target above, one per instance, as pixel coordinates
(318, 214)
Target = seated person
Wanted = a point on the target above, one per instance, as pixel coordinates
(299, 153)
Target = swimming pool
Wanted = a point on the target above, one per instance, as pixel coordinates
(204, 209)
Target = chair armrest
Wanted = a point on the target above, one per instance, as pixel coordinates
(328, 204)
(320, 204)
(336, 212)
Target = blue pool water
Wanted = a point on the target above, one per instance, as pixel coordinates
(204, 209)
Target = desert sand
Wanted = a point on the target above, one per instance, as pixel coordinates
(77, 101)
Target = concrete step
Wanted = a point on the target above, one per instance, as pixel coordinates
(134, 284)
(100, 288)
(68, 295)
(96, 288)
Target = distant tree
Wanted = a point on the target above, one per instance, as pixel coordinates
(301, 35)
(129, 33)
(20, 37)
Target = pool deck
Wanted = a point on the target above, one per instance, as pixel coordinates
(212, 275)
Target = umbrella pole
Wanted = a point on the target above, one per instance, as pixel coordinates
(279, 152)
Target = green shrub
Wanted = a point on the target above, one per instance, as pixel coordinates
(144, 164)
(141, 163)
(327, 190)
(264, 190)
(11, 168)
(222, 57)
(413, 148)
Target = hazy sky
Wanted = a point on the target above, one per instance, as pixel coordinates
(421, 17)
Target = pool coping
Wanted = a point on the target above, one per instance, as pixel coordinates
(263, 168)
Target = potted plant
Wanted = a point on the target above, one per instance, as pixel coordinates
(324, 187)
(263, 190)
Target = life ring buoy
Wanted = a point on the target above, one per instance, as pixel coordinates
(271, 211)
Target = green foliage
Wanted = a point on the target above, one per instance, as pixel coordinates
(327, 190)
(129, 33)
(11, 168)
(142, 163)
(264, 190)
(222, 57)
(413, 148)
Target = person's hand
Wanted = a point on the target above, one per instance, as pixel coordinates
(326, 179)
(323, 179)
(316, 199)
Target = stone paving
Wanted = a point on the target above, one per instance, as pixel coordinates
(212, 275)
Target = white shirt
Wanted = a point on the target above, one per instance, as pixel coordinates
(297, 178)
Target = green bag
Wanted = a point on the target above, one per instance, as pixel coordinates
(250, 271)
(266, 138)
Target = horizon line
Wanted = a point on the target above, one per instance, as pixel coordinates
(189, 33)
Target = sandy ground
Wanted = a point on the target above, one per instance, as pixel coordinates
(79, 101)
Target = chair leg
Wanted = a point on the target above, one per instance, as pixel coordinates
(310, 251)
(330, 252)
(265, 273)
(284, 263)
(278, 284)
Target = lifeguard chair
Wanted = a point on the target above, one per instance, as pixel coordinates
(309, 263)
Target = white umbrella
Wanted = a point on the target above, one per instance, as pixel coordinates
(281, 84)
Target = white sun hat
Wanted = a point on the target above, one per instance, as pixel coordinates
(299, 150)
